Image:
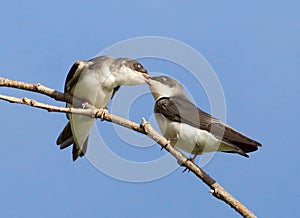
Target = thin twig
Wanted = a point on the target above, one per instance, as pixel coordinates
(144, 128)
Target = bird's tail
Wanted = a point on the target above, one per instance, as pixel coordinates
(65, 139)
(230, 148)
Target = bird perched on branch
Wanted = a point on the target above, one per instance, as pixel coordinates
(191, 129)
(95, 82)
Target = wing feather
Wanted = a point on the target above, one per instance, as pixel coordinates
(74, 74)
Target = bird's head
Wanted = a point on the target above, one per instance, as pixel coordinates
(164, 86)
(129, 72)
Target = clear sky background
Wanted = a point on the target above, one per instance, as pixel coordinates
(254, 49)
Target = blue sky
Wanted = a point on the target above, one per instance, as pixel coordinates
(254, 49)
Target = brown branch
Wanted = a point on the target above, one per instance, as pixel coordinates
(38, 88)
(33, 88)
(145, 128)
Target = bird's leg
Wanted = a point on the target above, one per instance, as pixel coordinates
(192, 160)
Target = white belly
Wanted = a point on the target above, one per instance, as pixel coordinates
(91, 89)
(186, 137)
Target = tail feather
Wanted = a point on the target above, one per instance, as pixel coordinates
(231, 148)
(79, 152)
(64, 136)
(67, 143)
(241, 152)
(65, 139)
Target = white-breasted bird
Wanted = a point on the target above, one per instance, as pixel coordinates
(95, 81)
(188, 127)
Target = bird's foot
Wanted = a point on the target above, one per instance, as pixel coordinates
(85, 105)
(103, 113)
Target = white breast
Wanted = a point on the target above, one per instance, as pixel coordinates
(94, 88)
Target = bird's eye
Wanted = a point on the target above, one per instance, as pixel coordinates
(138, 67)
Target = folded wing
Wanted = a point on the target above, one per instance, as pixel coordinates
(181, 109)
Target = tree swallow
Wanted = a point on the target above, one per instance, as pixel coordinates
(95, 82)
(191, 129)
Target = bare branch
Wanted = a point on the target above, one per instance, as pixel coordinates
(38, 88)
(144, 128)
(33, 88)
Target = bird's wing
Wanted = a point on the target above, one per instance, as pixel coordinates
(181, 109)
(115, 91)
(74, 74)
